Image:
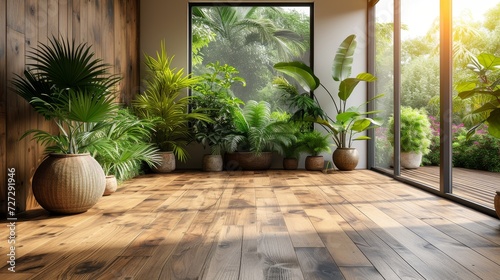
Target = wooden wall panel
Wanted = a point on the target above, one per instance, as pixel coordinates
(3, 100)
(110, 26)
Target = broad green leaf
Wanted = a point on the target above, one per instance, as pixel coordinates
(489, 61)
(302, 73)
(348, 85)
(347, 116)
(342, 63)
(364, 137)
(361, 125)
(494, 123)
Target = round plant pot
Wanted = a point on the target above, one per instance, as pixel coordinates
(345, 159)
(290, 163)
(497, 203)
(212, 163)
(411, 160)
(167, 163)
(111, 185)
(314, 163)
(248, 161)
(68, 183)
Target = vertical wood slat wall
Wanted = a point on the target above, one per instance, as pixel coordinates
(109, 26)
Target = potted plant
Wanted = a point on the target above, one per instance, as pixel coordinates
(314, 143)
(415, 136)
(68, 86)
(127, 148)
(486, 83)
(162, 104)
(213, 97)
(256, 135)
(343, 123)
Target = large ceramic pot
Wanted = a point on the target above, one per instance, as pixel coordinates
(212, 163)
(167, 163)
(497, 203)
(314, 163)
(345, 159)
(248, 161)
(411, 160)
(68, 183)
(290, 163)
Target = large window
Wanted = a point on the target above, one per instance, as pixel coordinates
(423, 54)
(250, 38)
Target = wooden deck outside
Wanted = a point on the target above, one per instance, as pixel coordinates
(474, 185)
(260, 225)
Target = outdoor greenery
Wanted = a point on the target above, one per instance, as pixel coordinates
(252, 39)
(415, 130)
(474, 38)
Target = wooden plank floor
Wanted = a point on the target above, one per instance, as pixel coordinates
(260, 225)
(474, 185)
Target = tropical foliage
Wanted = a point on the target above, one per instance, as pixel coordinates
(314, 143)
(415, 130)
(343, 123)
(213, 96)
(162, 104)
(68, 85)
(486, 87)
(127, 146)
(251, 38)
(257, 131)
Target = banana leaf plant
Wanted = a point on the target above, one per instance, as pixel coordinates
(344, 123)
(487, 68)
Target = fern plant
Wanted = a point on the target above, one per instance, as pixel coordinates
(314, 143)
(257, 131)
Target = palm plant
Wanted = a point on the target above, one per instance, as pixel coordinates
(127, 146)
(256, 131)
(66, 84)
(162, 104)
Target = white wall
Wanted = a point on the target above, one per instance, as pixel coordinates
(333, 21)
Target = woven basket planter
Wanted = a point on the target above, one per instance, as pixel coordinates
(111, 185)
(167, 163)
(68, 183)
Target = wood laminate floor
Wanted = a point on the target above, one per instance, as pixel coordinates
(260, 225)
